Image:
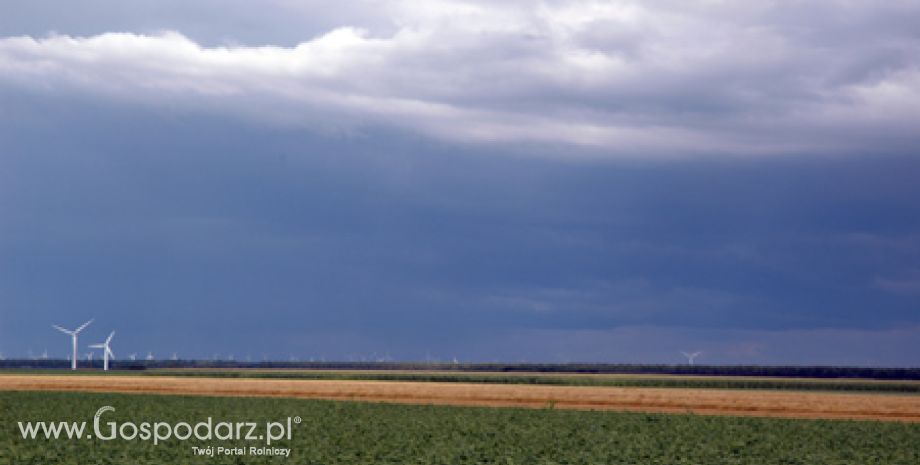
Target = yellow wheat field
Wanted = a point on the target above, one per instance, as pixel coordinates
(786, 404)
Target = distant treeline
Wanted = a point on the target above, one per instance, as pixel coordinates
(599, 368)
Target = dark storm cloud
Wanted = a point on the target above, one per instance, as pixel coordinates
(284, 181)
(167, 225)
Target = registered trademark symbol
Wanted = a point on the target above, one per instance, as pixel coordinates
(297, 420)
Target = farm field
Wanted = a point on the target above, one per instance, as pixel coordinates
(791, 404)
(365, 433)
(566, 379)
(537, 378)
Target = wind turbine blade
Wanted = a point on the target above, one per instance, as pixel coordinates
(109, 339)
(62, 330)
(111, 354)
(83, 326)
(97, 346)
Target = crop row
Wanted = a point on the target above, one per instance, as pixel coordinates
(559, 380)
(364, 433)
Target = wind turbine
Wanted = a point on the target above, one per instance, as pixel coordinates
(89, 357)
(175, 357)
(73, 335)
(149, 356)
(106, 351)
(132, 356)
(45, 354)
(691, 357)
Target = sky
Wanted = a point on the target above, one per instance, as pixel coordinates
(540, 181)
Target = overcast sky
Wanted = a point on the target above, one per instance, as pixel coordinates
(543, 181)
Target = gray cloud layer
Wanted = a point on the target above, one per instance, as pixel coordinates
(616, 78)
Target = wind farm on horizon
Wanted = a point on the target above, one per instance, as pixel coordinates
(133, 361)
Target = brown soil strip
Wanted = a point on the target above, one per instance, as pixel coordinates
(904, 408)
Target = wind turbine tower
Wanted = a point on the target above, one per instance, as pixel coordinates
(691, 356)
(106, 351)
(73, 335)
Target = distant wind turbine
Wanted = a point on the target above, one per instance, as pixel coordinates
(691, 357)
(73, 335)
(175, 357)
(45, 354)
(132, 356)
(89, 357)
(106, 351)
(149, 356)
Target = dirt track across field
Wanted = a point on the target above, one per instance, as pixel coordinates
(669, 400)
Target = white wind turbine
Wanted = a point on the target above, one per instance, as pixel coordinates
(73, 335)
(106, 351)
(89, 357)
(175, 357)
(132, 356)
(691, 356)
(149, 356)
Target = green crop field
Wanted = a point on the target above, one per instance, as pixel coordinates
(363, 433)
